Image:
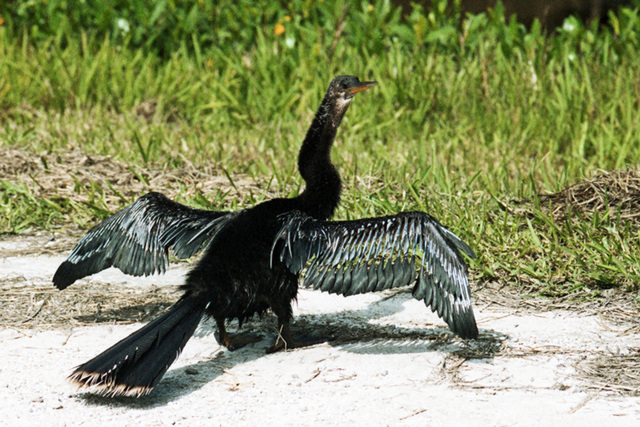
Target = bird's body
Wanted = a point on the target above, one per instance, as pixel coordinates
(234, 276)
(254, 259)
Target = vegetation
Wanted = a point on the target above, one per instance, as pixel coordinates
(473, 120)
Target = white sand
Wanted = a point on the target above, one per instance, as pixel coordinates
(379, 380)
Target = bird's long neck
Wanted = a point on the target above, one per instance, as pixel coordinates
(322, 193)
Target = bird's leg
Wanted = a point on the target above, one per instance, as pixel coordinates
(235, 341)
(221, 335)
(284, 340)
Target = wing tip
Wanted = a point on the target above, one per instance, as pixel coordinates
(468, 331)
(64, 276)
(464, 324)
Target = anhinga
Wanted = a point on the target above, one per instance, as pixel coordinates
(255, 257)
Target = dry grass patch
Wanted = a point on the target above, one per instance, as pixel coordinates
(617, 192)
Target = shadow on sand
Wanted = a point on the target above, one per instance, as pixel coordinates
(352, 331)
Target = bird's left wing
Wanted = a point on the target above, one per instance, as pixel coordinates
(138, 238)
(352, 257)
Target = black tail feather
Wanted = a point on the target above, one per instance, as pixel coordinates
(133, 366)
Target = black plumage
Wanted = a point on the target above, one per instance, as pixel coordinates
(136, 364)
(410, 248)
(254, 258)
(137, 239)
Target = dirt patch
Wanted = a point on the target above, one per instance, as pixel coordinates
(44, 306)
(76, 176)
(615, 191)
(617, 373)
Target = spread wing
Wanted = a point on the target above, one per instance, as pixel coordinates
(137, 239)
(352, 257)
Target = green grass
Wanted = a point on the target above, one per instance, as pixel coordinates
(463, 123)
(21, 210)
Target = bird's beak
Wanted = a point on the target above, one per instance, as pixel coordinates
(362, 86)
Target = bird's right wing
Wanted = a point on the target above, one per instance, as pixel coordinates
(137, 239)
(373, 254)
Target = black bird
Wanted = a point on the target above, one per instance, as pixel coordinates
(255, 257)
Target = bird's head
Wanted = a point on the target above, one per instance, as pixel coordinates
(347, 86)
(341, 91)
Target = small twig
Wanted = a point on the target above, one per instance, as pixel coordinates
(314, 376)
(418, 412)
(33, 316)
(581, 404)
(67, 338)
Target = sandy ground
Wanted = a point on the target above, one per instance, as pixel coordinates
(392, 362)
